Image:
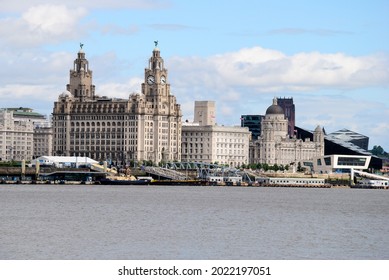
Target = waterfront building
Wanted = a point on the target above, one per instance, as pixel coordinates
(337, 145)
(146, 126)
(16, 137)
(275, 146)
(43, 133)
(253, 122)
(212, 143)
(43, 139)
(340, 163)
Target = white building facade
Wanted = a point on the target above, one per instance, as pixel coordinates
(204, 141)
(215, 144)
(43, 133)
(340, 163)
(16, 137)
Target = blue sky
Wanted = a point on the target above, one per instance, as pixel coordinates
(332, 57)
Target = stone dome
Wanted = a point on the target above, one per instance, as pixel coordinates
(65, 94)
(275, 109)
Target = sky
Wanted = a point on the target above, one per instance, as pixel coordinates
(331, 57)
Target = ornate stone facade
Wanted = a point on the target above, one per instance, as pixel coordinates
(145, 126)
(274, 146)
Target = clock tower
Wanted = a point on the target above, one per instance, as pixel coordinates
(156, 77)
(162, 119)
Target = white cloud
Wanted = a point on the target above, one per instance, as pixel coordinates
(55, 20)
(38, 97)
(41, 25)
(269, 70)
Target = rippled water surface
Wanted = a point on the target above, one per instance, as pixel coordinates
(183, 222)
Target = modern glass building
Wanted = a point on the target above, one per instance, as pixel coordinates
(253, 122)
(334, 145)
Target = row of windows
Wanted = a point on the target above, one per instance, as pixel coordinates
(98, 148)
(96, 136)
(96, 123)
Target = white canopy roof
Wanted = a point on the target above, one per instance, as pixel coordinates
(64, 160)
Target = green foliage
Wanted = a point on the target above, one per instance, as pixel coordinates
(148, 163)
(266, 167)
(379, 151)
(11, 163)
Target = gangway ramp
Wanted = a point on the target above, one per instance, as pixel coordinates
(164, 172)
(368, 175)
(103, 168)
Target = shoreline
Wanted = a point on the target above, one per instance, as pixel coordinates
(190, 183)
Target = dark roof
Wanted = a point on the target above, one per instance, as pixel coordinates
(274, 109)
(347, 135)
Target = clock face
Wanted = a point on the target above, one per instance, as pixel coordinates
(150, 80)
(163, 80)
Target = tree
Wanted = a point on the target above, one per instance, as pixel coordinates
(378, 151)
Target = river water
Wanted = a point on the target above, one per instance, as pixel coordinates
(192, 222)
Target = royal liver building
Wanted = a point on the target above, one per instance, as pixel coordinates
(145, 126)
